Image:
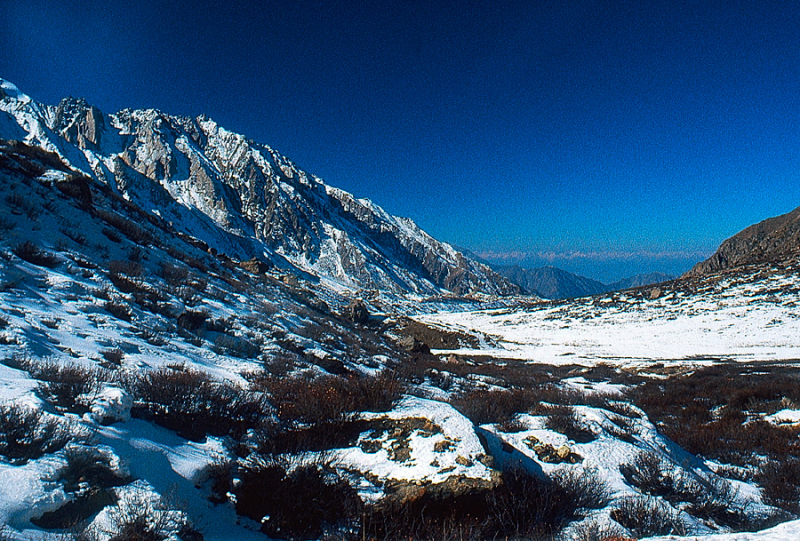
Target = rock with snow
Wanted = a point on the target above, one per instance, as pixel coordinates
(112, 405)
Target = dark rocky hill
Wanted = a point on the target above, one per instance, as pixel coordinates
(774, 239)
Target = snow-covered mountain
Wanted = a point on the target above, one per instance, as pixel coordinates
(242, 198)
(182, 358)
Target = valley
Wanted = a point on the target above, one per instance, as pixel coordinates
(199, 340)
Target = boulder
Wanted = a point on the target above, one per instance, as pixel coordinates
(357, 312)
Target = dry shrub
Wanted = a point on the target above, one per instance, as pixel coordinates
(27, 433)
(483, 406)
(119, 310)
(128, 228)
(780, 483)
(565, 421)
(646, 517)
(304, 401)
(682, 407)
(88, 478)
(31, 253)
(69, 387)
(294, 498)
(192, 404)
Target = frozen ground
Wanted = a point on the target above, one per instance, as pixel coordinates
(742, 318)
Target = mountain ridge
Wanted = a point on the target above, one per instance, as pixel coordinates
(554, 283)
(776, 238)
(243, 198)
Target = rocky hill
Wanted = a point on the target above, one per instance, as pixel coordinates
(242, 198)
(775, 238)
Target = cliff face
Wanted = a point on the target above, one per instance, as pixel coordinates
(243, 198)
(774, 239)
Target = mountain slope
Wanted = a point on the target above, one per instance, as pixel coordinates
(555, 283)
(552, 282)
(775, 238)
(243, 199)
(640, 280)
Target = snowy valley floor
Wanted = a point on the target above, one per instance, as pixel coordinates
(666, 410)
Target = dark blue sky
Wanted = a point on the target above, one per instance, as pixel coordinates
(606, 137)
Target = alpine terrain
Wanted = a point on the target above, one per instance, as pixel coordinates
(201, 341)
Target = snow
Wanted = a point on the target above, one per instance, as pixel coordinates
(53, 315)
(784, 417)
(788, 531)
(742, 325)
(438, 426)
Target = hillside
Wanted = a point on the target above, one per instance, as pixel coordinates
(775, 238)
(243, 199)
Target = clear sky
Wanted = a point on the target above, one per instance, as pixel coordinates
(604, 137)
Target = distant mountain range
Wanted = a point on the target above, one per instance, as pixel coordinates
(555, 283)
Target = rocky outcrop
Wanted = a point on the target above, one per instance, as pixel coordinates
(775, 239)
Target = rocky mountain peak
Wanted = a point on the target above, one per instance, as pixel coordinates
(245, 199)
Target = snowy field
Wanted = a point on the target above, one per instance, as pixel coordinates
(729, 319)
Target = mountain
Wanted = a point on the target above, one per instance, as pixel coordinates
(155, 384)
(243, 199)
(551, 282)
(640, 280)
(774, 239)
(555, 283)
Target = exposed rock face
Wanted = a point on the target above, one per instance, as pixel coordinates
(774, 239)
(244, 199)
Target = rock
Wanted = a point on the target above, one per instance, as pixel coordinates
(563, 452)
(112, 405)
(357, 312)
(412, 345)
(654, 293)
(254, 266)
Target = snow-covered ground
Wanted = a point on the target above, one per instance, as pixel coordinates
(741, 320)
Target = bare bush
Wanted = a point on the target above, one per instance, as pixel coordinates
(597, 531)
(682, 408)
(646, 517)
(119, 310)
(483, 406)
(330, 398)
(134, 232)
(584, 487)
(27, 433)
(172, 274)
(139, 517)
(193, 320)
(31, 253)
(192, 404)
(294, 498)
(780, 483)
(565, 421)
(69, 387)
(113, 356)
(88, 477)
